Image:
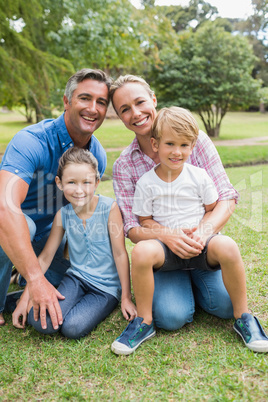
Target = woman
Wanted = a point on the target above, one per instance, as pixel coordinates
(175, 292)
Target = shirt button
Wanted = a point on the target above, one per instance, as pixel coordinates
(16, 171)
(63, 143)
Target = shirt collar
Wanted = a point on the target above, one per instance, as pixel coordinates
(63, 134)
(135, 146)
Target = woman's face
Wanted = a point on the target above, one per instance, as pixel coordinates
(135, 107)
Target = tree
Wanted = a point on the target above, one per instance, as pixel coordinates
(195, 13)
(255, 28)
(28, 71)
(210, 74)
(263, 94)
(100, 34)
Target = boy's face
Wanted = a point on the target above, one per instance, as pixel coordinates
(173, 150)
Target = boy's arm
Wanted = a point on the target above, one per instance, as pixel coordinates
(19, 316)
(214, 221)
(115, 225)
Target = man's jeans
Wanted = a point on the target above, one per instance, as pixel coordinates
(83, 308)
(54, 274)
(176, 293)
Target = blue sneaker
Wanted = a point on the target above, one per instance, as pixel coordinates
(131, 338)
(250, 330)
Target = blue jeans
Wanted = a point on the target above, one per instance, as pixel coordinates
(83, 308)
(54, 274)
(176, 293)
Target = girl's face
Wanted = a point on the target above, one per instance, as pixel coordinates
(78, 183)
(135, 107)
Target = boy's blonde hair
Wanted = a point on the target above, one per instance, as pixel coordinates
(177, 119)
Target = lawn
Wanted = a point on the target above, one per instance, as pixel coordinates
(204, 361)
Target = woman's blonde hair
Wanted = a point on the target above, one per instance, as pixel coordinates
(177, 119)
(126, 79)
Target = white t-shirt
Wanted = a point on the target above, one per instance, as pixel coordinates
(176, 204)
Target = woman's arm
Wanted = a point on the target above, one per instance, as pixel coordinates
(115, 225)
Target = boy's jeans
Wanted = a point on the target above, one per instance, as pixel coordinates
(54, 274)
(177, 292)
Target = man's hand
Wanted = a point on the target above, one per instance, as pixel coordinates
(44, 297)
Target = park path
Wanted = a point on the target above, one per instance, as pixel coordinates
(229, 143)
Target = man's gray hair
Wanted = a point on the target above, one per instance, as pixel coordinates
(84, 74)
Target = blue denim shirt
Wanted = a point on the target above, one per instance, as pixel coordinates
(33, 155)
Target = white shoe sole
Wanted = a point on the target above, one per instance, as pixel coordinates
(256, 346)
(121, 349)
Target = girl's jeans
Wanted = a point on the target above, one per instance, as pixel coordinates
(54, 274)
(83, 308)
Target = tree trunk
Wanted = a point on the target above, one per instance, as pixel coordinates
(262, 107)
(214, 131)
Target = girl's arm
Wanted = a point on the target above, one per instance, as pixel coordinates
(115, 225)
(53, 242)
(19, 316)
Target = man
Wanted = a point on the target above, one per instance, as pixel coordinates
(28, 195)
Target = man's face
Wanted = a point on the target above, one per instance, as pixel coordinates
(87, 109)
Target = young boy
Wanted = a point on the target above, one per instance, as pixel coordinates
(177, 195)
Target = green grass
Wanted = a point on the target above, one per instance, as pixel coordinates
(239, 125)
(203, 361)
(243, 155)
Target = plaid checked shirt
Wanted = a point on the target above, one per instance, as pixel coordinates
(133, 163)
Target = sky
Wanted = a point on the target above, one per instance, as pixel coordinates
(227, 8)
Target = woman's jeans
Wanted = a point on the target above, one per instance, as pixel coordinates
(54, 274)
(176, 293)
(83, 308)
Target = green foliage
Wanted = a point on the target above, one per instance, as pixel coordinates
(28, 72)
(210, 74)
(256, 29)
(196, 12)
(100, 34)
(42, 42)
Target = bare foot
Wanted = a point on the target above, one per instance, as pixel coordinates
(2, 321)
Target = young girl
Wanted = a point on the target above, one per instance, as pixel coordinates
(99, 261)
